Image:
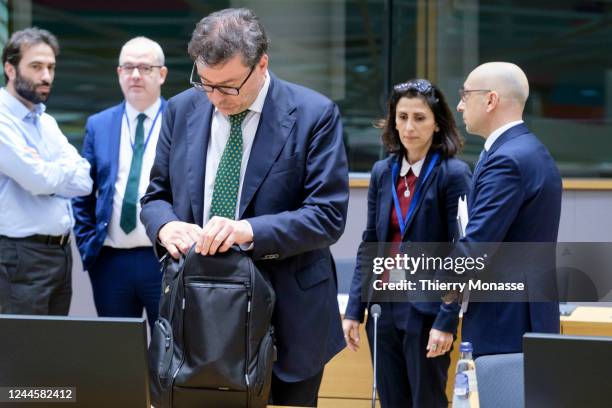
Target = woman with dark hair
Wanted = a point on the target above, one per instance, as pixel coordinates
(413, 197)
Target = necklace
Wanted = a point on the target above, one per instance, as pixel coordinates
(407, 192)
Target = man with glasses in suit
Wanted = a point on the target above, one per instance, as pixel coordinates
(120, 145)
(248, 159)
(515, 197)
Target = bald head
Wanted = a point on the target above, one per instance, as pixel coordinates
(494, 94)
(143, 45)
(507, 79)
(141, 72)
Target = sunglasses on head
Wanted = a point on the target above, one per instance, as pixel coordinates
(422, 86)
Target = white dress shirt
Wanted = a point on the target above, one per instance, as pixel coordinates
(416, 167)
(219, 134)
(36, 188)
(116, 237)
(498, 132)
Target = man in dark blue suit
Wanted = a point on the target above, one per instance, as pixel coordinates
(120, 146)
(515, 197)
(245, 158)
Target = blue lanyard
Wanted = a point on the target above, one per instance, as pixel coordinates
(403, 222)
(127, 120)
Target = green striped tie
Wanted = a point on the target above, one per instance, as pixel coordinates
(130, 197)
(227, 180)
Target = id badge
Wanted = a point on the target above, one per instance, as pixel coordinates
(397, 275)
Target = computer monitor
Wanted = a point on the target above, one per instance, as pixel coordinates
(91, 363)
(567, 371)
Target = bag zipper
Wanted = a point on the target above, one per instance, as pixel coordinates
(248, 333)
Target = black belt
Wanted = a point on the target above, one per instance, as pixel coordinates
(43, 239)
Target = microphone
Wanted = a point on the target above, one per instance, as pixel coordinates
(375, 313)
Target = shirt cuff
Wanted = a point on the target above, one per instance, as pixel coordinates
(248, 246)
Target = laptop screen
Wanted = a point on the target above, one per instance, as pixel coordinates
(73, 362)
(567, 371)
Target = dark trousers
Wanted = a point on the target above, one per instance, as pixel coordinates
(406, 377)
(124, 281)
(298, 394)
(35, 278)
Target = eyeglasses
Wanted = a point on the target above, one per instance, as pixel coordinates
(463, 92)
(226, 90)
(142, 68)
(422, 86)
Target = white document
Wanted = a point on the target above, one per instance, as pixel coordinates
(462, 215)
(462, 221)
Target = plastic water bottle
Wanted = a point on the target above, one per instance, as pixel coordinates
(465, 393)
(461, 393)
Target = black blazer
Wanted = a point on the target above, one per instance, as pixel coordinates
(515, 197)
(434, 218)
(295, 196)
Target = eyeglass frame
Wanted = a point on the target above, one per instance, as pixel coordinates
(148, 69)
(200, 86)
(463, 92)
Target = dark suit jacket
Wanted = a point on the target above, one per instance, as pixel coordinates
(295, 196)
(92, 212)
(433, 220)
(515, 197)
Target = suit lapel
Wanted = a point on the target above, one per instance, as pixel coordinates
(198, 134)
(423, 187)
(385, 201)
(114, 141)
(275, 124)
(507, 136)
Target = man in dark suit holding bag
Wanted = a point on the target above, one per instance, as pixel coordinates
(247, 159)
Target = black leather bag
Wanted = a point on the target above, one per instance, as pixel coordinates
(213, 344)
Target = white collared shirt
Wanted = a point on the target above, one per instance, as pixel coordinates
(219, 134)
(35, 189)
(116, 237)
(498, 132)
(416, 167)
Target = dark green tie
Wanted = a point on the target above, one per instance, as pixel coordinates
(227, 180)
(130, 198)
